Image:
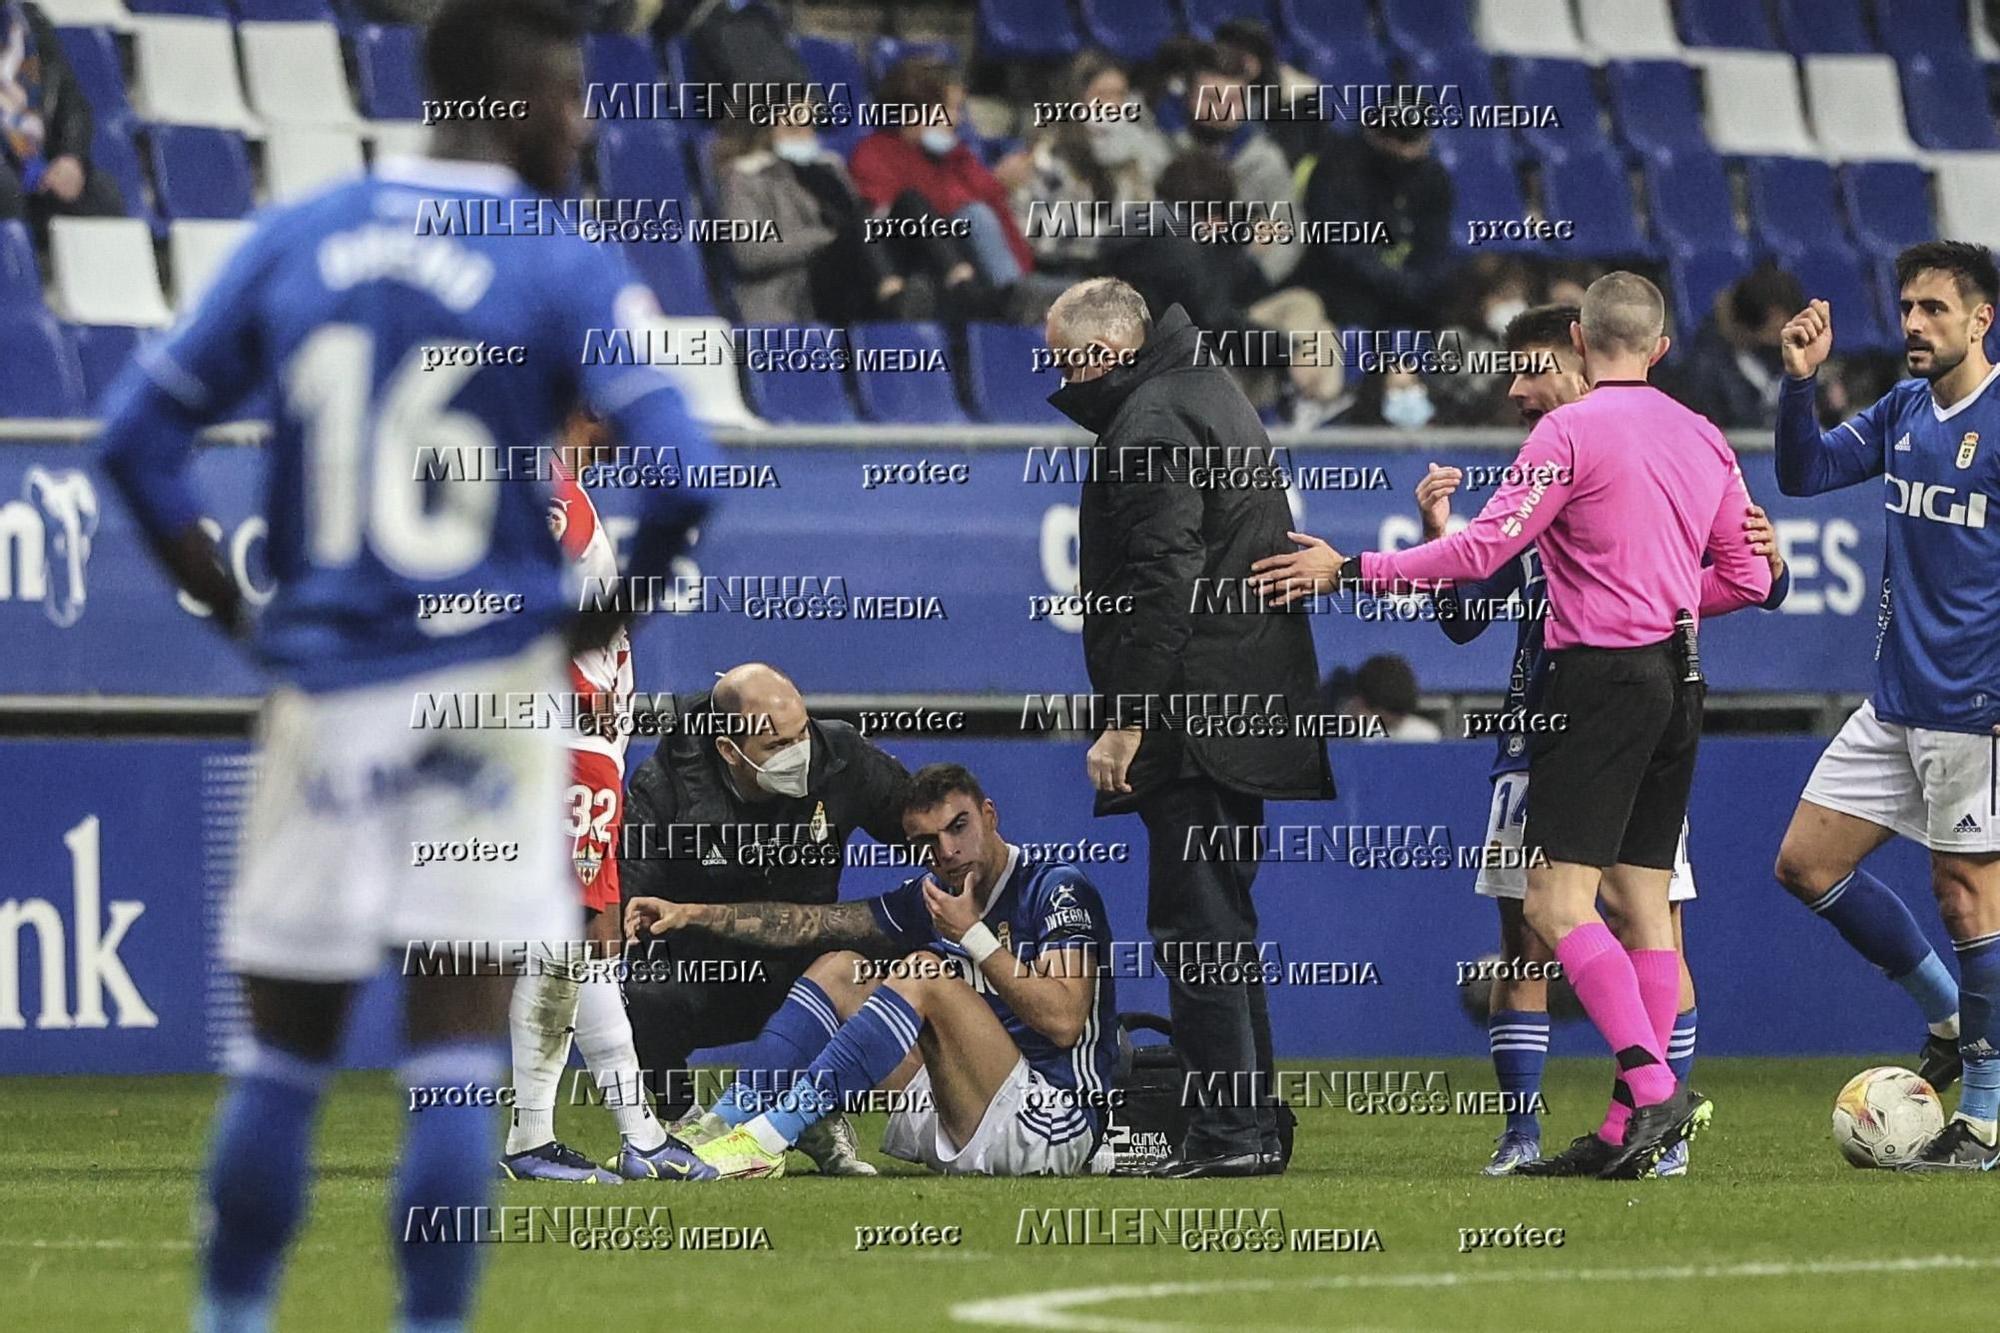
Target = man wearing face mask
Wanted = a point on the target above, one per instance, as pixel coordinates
(746, 799)
(1735, 369)
(1218, 121)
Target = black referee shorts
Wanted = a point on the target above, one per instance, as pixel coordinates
(1610, 786)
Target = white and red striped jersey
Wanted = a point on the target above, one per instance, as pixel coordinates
(601, 677)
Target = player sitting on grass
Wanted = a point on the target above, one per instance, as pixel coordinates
(1004, 1076)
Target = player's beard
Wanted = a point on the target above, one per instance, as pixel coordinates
(1941, 363)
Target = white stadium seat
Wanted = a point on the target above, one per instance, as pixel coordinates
(87, 14)
(1857, 107)
(185, 73)
(300, 159)
(714, 397)
(1629, 29)
(295, 73)
(196, 251)
(1753, 103)
(1528, 28)
(1969, 196)
(398, 138)
(105, 272)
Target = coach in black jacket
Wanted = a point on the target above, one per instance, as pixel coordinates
(1180, 502)
(703, 824)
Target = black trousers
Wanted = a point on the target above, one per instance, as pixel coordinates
(672, 1019)
(100, 198)
(1204, 929)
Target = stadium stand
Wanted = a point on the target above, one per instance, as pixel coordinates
(1001, 386)
(196, 252)
(921, 398)
(200, 172)
(1856, 103)
(39, 373)
(1753, 103)
(1529, 28)
(185, 73)
(1726, 23)
(20, 274)
(1027, 29)
(105, 272)
(1824, 27)
(1629, 29)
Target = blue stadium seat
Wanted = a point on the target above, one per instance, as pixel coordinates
(1945, 102)
(921, 397)
(200, 172)
(1026, 30)
(617, 57)
(103, 350)
(1833, 274)
(1726, 23)
(1203, 16)
(388, 57)
(20, 275)
(643, 159)
(1566, 86)
(675, 274)
(39, 373)
(1690, 203)
(1824, 27)
(1888, 205)
(112, 151)
(1420, 28)
(1333, 40)
(1358, 62)
(829, 61)
(1697, 277)
(93, 54)
(201, 9)
(1470, 70)
(1002, 384)
(286, 11)
(1911, 28)
(1656, 106)
(799, 397)
(1483, 181)
(1793, 204)
(1129, 29)
(885, 53)
(1593, 190)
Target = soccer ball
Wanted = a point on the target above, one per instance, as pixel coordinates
(1884, 1117)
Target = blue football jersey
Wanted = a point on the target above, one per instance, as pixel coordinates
(418, 379)
(1937, 643)
(1043, 906)
(1466, 610)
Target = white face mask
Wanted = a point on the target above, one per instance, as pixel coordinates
(937, 141)
(1408, 406)
(1500, 316)
(796, 151)
(785, 775)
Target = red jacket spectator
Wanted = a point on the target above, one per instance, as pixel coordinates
(885, 164)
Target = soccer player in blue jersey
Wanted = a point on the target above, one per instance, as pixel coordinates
(1919, 757)
(1008, 1075)
(1518, 1017)
(369, 335)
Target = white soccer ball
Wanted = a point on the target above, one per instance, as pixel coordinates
(1885, 1116)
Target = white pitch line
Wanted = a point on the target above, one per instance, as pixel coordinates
(1060, 1309)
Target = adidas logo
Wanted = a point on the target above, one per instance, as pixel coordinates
(714, 857)
(1966, 824)
(1903, 445)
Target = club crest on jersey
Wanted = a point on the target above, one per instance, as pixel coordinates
(559, 517)
(818, 827)
(588, 859)
(1967, 447)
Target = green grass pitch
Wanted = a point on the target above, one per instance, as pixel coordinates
(1770, 1231)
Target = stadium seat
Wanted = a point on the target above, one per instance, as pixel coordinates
(1969, 197)
(20, 275)
(675, 274)
(200, 9)
(1697, 277)
(295, 73)
(1792, 204)
(397, 138)
(1529, 28)
(643, 159)
(196, 252)
(1833, 273)
(885, 53)
(105, 272)
(1726, 23)
(1204, 16)
(1857, 107)
(801, 397)
(1824, 27)
(1468, 69)
(1483, 180)
(1361, 62)
(388, 59)
(1944, 94)
(713, 396)
(114, 151)
(830, 61)
(200, 172)
(1329, 35)
(1593, 190)
(909, 397)
(300, 159)
(1910, 28)
(1655, 106)
(617, 57)
(286, 11)
(1002, 384)
(1629, 29)
(1026, 30)
(88, 14)
(1566, 86)
(39, 373)
(1432, 28)
(1131, 30)
(184, 73)
(1689, 203)
(93, 57)
(1888, 205)
(1753, 104)
(103, 350)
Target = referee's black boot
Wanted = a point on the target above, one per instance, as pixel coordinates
(1939, 1063)
(1201, 1168)
(1654, 1129)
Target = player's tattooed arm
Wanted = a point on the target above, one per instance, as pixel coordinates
(764, 925)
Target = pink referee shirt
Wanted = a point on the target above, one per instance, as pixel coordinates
(1624, 489)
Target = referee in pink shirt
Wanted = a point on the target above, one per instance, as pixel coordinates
(1624, 490)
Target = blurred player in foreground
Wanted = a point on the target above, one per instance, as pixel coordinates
(1518, 1014)
(1918, 758)
(565, 995)
(337, 303)
(1006, 1076)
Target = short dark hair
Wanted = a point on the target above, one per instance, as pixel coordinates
(1971, 267)
(1387, 684)
(1762, 290)
(479, 48)
(1250, 36)
(1196, 176)
(931, 784)
(1540, 326)
(917, 81)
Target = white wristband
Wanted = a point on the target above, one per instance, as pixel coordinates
(980, 943)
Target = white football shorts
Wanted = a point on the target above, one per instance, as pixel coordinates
(1031, 1128)
(1508, 818)
(1937, 788)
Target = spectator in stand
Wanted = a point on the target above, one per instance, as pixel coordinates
(928, 164)
(1566, 283)
(1734, 370)
(819, 269)
(1218, 120)
(45, 128)
(1495, 289)
(1090, 162)
(1385, 688)
(1249, 42)
(1382, 175)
